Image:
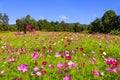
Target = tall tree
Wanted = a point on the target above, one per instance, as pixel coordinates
(20, 25)
(97, 26)
(0, 17)
(5, 18)
(108, 20)
(77, 27)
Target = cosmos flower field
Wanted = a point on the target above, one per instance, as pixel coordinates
(59, 56)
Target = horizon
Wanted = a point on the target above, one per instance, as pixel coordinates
(69, 11)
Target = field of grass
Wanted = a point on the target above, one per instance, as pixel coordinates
(59, 56)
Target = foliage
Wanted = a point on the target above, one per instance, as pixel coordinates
(117, 32)
(108, 20)
(4, 18)
(106, 24)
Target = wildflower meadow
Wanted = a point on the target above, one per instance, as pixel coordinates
(59, 56)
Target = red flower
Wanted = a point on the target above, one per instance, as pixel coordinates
(43, 72)
(68, 57)
(20, 78)
(81, 49)
(66, 64)
(65, 46)
(101, 51)
(82, 64)
(69, 41)
(43, 48)
(44, 62)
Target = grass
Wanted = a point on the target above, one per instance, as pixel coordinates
(21, 47)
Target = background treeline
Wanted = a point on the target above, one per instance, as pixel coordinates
(108, 23)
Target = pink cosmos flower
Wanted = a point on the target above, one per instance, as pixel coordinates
(112, 61)
(36, 69)
(3, 59)
(23, 67)
(22, 51)
(35, 56)
(59, 65)
(58, 71)
(71, 64)
(10, 59)
(49, 50)
(51, 66)
(67, 78)
(57, 54)
(63, 55)
(2, 72)
(41, 55)
(115, 70)
(96, 73)
(73, 51)
(109, 70)
(67, 51)
(84, 54)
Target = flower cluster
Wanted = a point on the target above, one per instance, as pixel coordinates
(23, 67)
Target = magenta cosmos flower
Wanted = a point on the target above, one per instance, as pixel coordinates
(67, 78)
(96, 73)
(51, 66)
(35, 56)
(23, 67)
(109, 70)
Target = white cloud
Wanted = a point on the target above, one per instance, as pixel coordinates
(63, 17)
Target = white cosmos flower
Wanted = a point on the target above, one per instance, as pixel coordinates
(38, 73)
(54, 44)
(65, 37)
(58, 41)
(71, 38)
(70, 63)
(61, 39)
(104, 53)
(102, 74)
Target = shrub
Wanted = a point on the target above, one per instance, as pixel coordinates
(116, 32)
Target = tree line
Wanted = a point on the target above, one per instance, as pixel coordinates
(108, 23)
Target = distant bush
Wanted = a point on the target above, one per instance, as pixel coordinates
(116, 32)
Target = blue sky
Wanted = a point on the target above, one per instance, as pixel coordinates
(82, 11)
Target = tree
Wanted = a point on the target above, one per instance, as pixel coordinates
(19, 24)
(96, 26)
(24, 22)
(116, 23)
(0, 17)
(4, 22)
(108, 20)
(4, 18)
(77, 27)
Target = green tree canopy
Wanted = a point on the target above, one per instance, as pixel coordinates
(108, 20)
